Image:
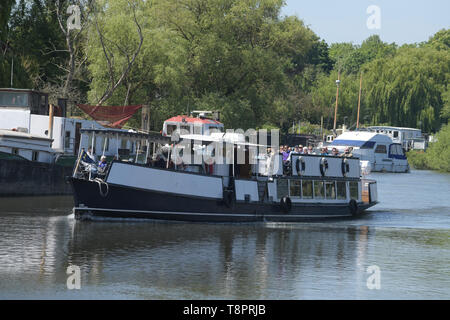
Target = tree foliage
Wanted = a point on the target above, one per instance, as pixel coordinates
(241, 57)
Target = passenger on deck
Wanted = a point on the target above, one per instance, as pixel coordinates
(286, 159)
(160, 162)
(335, 152)
(286, 153)
(91, 154)
(102, 165)
(324, 151)
(348, 152)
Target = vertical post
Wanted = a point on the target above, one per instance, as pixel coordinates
(104, 144)
(146, 152)
(337, 98)
(138, 144)
(117, 147)
(168, 157)
(93, 143)
(80, 152)
(50, 121)
(12, 70)
(359, 101)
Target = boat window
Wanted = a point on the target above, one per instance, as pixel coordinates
(124, 144)
(185, 129)
(295, 188)
(393, 149)
(67, 139)
(395, 134)
(330, 188)
(368, 145)
(15, 151)
(282, 188)
(13, 99)
(319, 190)
(307, 188)
(171, 128)
(35, 156)
(198, 129)
(381, 148)
(354, 192)
(396, 149)
(341, 190)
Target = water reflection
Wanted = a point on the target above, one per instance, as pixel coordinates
(407, 236)
(235, 261)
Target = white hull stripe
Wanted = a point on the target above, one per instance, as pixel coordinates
(208, 214)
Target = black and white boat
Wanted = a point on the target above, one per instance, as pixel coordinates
(243, 186)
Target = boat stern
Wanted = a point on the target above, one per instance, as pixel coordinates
(369, 196)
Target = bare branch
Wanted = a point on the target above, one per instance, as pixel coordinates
(114, 85)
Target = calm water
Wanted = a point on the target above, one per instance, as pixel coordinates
(407, 236)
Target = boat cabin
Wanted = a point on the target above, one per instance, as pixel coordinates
(199, 124)
(378, 149)
(27, 111)
(24, 146)
(409, 138)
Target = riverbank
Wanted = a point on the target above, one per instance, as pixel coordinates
(437, 156)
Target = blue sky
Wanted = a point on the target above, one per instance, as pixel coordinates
(402, 21)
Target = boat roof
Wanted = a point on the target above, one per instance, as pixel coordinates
(393, 128)
(359, 138)
(193, 120)
(221, 138)
(21, 90)
(130, 134)
(21, 135)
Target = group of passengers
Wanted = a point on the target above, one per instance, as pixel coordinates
(89, 161)
(287, 153)
(299, 149)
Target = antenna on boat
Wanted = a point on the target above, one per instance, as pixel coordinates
(338, 81)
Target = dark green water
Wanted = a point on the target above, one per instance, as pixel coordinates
(407, 236)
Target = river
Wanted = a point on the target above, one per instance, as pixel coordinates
(400, 250)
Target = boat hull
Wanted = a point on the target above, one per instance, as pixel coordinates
(96, 199)
(29, 178)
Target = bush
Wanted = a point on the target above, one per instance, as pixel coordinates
(437, 156)
(417, 159)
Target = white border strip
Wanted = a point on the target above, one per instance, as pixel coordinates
(212, 214)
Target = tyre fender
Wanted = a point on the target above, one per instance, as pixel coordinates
(353, 207)
(286, 204)
(323, 166)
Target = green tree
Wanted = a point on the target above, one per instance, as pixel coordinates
(438, 154)
(440, 40)
(407, 90)
(238, 57)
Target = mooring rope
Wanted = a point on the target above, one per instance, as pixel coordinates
(100, 182)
